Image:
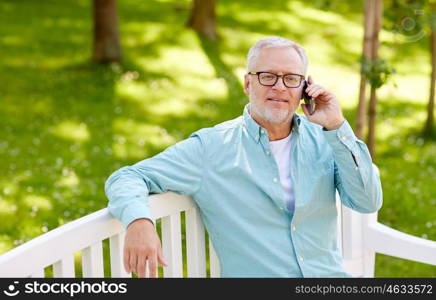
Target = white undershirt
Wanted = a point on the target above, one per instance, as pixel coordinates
(281, 149)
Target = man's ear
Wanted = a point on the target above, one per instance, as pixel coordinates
(246, 84)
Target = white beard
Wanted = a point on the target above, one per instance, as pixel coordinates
(271, 115)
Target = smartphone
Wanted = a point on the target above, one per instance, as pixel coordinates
(308, 100)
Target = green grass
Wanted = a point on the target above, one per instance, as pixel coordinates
(67, 123)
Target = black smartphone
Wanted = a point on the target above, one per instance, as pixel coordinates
(308, 100)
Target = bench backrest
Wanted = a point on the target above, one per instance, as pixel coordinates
(360, 237)
(85, 235)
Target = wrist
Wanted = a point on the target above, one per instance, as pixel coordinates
(141, 221)
(335, 125)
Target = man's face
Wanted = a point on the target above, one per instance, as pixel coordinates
(274, 104)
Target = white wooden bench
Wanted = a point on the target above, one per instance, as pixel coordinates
(360, 237)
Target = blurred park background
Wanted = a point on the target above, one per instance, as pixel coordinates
(69, 118)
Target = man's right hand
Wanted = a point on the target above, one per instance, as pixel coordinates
(142, 248)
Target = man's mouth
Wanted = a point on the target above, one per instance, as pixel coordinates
(276, 100)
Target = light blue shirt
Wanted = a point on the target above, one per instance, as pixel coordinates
(230, 173)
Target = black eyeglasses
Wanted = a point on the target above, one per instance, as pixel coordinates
(290, 80)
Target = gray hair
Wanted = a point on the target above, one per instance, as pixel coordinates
(275, 41)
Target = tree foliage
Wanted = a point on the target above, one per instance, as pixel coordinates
(377, 72)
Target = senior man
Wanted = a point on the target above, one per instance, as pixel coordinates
(264, 182)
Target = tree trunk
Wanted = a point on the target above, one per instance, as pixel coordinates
(428, 129)
(106, 39)
(203, 17)
(366, 57)
(378, 12)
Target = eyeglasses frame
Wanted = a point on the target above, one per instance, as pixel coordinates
(277, 78)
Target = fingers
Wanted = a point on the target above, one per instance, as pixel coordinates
(161, 259)
(309, 80)
(142, 250)
(153, 260)
(132, 263)
(150, 262)
(126, 260)
(152, 266)
(140, 267)
(315, 90)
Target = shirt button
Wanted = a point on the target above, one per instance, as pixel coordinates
(301, 258)
(274, 179)
(294, 228)
(344, 137)
(262, 131)
(268, 153)
(357, 168)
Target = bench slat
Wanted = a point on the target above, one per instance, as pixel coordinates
(64, 267)
(214, 262)
(38, 274)
(195, 244)
(383, 239)
(92, 261)
(116, 246)
(172, 245)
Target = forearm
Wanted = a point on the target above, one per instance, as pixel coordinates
(178, 169)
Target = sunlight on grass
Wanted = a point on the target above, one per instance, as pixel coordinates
(9, 188)
(7, 207)
(175, 95)
(327, 17)
(343, 84)
(37, 202)
(31, 228)
(239, 73)
(5, 243)
(234, 59)
(69, 178)
(41, 106)
(154, 32)
(401, 266)
(168, 106)
(12, 41)
(134, 139)
(388, 128)
(280, 18)
(72, 131)
(404, 56)
(411, 87)
(134, 91)
(204, 87)
(175, 60)
(49, 63)
(158, 98)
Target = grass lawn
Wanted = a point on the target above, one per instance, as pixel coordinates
(68, 124)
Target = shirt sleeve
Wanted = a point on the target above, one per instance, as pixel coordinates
(177, 169)
(356, 178)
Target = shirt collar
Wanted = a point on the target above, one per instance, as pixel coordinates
(255, 130)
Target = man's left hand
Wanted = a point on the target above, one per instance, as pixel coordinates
(327, 110)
